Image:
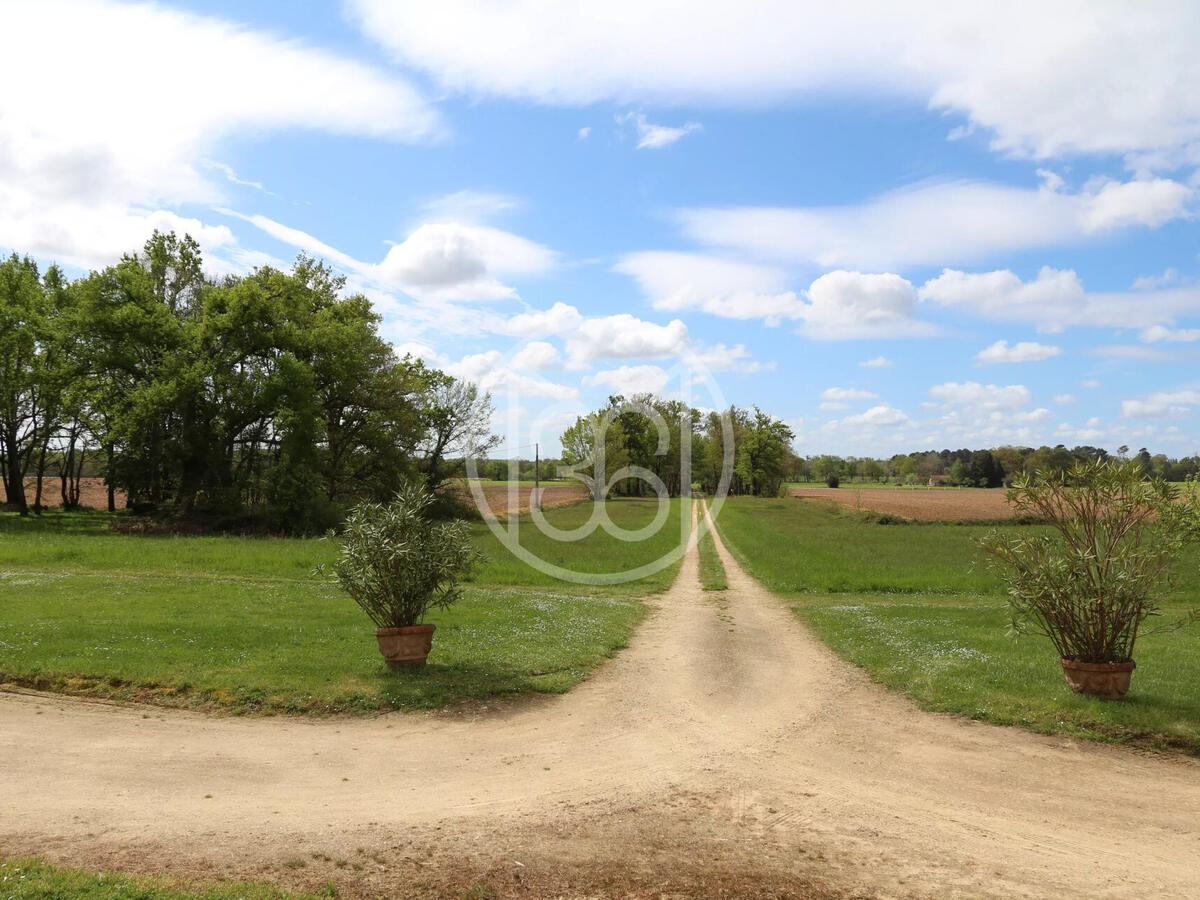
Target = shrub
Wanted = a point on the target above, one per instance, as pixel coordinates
(1093, 582)
(831, 481)
(397, 564)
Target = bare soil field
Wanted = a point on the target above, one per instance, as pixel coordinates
(500, 501)
(726, 752)
(921, 504)
(92, 493)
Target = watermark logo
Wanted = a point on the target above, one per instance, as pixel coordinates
(597, 456)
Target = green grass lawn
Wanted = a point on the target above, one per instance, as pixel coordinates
(712, 571)
(798, 547)
(914, 606)
(243, 624)
(31, 879)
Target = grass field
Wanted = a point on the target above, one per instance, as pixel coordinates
(243, 623)
(712, 571)
(914, 606)
(31, 879)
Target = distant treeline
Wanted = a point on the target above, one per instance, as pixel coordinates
(976, 468)
(263, 401)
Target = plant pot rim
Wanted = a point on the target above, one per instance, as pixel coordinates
(407, 629)
(1127, 665)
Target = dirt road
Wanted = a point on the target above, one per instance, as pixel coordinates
(726, 751)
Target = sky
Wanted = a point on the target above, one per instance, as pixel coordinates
(896, 227)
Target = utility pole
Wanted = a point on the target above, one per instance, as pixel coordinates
(537, 474)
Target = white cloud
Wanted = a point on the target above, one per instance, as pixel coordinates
(1160, 405)
(1042, 80)
(1168, 277)
(841, 394)
(470, 207)
(1090, 383)
(457, 261)
(879, 417)
(847, 305)
(982, 397)
(623, 336)
(536, 355)
(1056, 299)
(493, 373)
(423, 352)
(655, 137)
(559, 320)
(85, 176)
(584, 132)
(720, 358)
(1156, 333)
(935, 223)
(1064, 399)
(630, 380)
(832, 405)
(877, 362)
(1151, 203)
(437, 261)
(721, 287)
(1022, 351)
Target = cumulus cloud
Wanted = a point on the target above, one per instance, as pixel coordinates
(623, 336)
(1022, 351)
(458, 261)
(1064, 399)
(1057, 87)
(536, 355)
(560, 319)
(878, 417)
(82, 180)
(1055, 299)
(846, 305)
(877, 362)
(630, 380)
(440, 261)
(936, 223)
(655, 137)
(982, 396)
(493, 373)
(1160, 405)
(721, 287)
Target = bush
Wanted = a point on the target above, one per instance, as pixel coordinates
(1091, 586)
(831, 481)
(397, 564)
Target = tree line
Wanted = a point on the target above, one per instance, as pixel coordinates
(263, 401)
(635, 446)
(992, 467)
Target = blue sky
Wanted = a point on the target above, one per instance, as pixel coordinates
(896, 230)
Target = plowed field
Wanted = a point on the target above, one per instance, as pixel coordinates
(922, 504)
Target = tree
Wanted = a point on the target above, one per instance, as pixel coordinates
(25, 350)
(762, 453)
(594, 450)
(458, 423)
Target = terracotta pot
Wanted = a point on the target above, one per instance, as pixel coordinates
(1107, 680)
(407, 646)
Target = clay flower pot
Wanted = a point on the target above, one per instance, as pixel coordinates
(1107, 680)
(405, 647)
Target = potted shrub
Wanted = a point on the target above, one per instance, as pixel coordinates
(397, 564)
(1091, 584)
